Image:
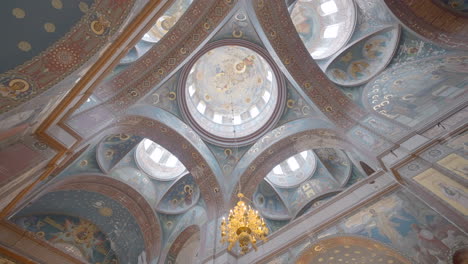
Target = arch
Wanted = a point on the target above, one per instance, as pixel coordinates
(448, 30)
(346, 246)
(172, 134)
(180, 241)
(287, 140)
(312, 203)
(123, 194)
(285, 44)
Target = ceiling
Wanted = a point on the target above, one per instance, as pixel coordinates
(345, 81)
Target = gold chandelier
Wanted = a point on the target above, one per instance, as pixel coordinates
(244, 225)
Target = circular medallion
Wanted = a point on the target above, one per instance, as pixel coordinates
(232, 93)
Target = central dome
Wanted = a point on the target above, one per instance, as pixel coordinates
(232, 93)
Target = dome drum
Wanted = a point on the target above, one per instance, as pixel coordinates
(231, 92)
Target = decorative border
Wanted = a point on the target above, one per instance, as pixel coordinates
(67, 55)
(442, 26)
(241, 141)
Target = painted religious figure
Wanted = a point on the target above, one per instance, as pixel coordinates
(445, 188)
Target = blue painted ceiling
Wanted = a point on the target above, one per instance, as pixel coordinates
(30, 27)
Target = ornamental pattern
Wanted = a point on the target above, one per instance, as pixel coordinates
(65, 56)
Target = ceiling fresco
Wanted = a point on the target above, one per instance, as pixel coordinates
(225, 95)
(77, 237)
(33, 76)
(269, 203)
(113, 148)
(412, 93)
(352, 250)
(180, 197)
(33, 27)
(163, 24)
(115, 221)
(459, 6)
(365, 58)
(137, 179)
(324, 26)
(332, 170)
(221, 91)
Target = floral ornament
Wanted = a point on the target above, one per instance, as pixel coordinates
(100, 25)
(15, 88)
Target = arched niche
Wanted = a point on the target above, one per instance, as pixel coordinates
(185, 248)
(110, 204)
(363, 250)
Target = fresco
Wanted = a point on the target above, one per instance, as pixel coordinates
(321, 182)
(296, 107)
(165, 96)
(113, 148)
(324, 27)
(228, 158)
(114, 220)
(86, 163)
(365, 138)
(373, 15)
(455, 163)
(459, 6)
(315, 203)
(268, 202)
(180, 197)
(402, 221)
(459, 143)
(35, 35)
(445, 188)
(83, 239)
(356, 175)
(416, 91)
(342, 249)
(231, 88)
(138, 180)
(384, 127)
(167, 21)
(173, 225)
(365, 58)
(336, 162)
